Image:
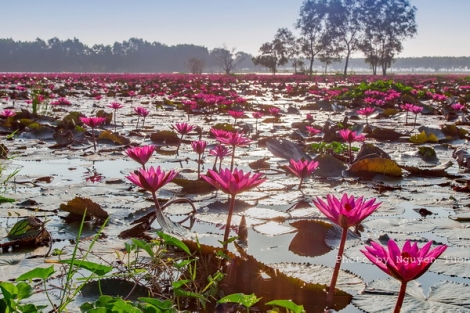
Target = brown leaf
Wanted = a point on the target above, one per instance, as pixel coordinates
(79, 205)
(373, 166)
(114, 137)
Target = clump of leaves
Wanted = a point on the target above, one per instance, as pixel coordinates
(335, 146)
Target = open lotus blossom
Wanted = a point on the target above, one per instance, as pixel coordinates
(115, 106)
(302, 168)
(345, 212)
(234, 140)
(199, 147)
(309, 117)
(274, 112)
(141, 111)
(236, 115)
(152, 179)
(219, 152)
(405, 264)
(141, 154)
(182, 129)
(415, 109)
(350, 136)
(219, 132)
(93, 122)
(7, 113)
(458, 106)
(232, 182)
(367, 111)
(312, 130)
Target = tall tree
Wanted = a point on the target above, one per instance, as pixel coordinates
(276, 52)
(227, 59)
(387, 24)
(346, 24)
(312, 26)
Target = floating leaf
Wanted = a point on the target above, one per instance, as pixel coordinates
(329, 166)
(396, 225)
(423, 138)
(385, 133)
(381, 296)
(286, 149)
(193, 186)
(437, 171)
(310, 238)
(166, 137)
(373, 166)
(79, 205)
(115, 287)
(113, 137)
(434, 131)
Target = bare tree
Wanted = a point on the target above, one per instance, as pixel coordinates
(227, 59)
(195, 65)
(276, 52)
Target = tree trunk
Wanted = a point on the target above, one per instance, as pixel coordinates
(346, 62)
(310, 69)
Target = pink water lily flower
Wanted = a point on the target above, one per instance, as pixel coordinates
(234, 140)
(345, 212)
(350, 136)
(367, 111)
(141, 154)
(302, 168)
(93, 122)
(199, 147)
(236, 115)
(141, 111)
(115, 106)
(151, 179)
(219, 152)
(405, 264)
(182, 129)
(232, 182)
(7, 113)
(312, 130)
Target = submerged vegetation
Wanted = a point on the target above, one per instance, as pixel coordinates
(214, 203)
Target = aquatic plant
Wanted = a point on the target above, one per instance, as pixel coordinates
(405, 264)
(345, 212)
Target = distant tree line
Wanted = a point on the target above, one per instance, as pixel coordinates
(133, 55)
(139, 56)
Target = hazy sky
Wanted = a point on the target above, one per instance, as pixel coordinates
(443, 26)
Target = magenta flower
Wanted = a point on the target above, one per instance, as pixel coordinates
(406, 264)
(7, 113)
(257, 115)
(199, 147)
(93, 122)
(309, 117)
(232, 183)
(219, 132)
(219, 152)
(302, 169)
(350, 136)
(312, 130)
(367, 111)
(274, 112)
(408, 107)
(234, 140)
(236, 115)
(345, 212)
(115, 106)
(141, 111)
(152, 180)
(141, 154)
(457, 106)
(182, 129)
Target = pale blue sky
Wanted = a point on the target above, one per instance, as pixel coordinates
(443, 26)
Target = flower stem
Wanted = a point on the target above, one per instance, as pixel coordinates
(339, 257)
(233, 157)
(93, 136)
(115, 111)
(199, 167)
(229, 220)
(401, 297)
(301, 181)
